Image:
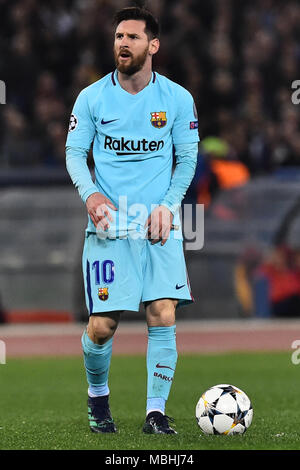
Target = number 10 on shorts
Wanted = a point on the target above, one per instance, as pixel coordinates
(104, 271)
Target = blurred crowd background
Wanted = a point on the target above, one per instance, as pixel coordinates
(237, 57)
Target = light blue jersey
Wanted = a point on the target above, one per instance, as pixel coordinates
(133, 139)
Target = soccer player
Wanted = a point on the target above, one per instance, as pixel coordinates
(133, 251)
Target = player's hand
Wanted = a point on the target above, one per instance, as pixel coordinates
(159, 224)
(97, 206)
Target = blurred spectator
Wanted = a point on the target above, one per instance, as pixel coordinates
(244, 271)
(19, 148)
(218, 169)
(268, 286)
(277, 285)
(238, 59)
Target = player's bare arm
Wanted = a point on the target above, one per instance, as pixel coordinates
(159, 224)
(98, 208)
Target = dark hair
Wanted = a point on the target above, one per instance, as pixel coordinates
(139, 14)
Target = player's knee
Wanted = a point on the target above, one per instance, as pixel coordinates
(161, 312)
(101, 329)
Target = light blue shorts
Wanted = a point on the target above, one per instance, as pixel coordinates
(121, 273)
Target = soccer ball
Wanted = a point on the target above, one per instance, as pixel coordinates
(224, 409)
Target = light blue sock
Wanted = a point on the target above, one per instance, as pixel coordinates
(161, 365)
(156, 404)
(97, 363)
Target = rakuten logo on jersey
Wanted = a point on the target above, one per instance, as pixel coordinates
(132, 147)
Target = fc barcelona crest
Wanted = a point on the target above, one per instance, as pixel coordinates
(103, 293)
(159, 119)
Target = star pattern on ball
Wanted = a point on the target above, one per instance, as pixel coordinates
(224, 409)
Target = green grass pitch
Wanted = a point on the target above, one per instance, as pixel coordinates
(43, 403)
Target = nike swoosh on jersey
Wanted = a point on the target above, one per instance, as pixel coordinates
(179, 287)
(107, 122)
(159, 366)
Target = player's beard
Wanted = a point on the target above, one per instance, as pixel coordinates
(134, 63)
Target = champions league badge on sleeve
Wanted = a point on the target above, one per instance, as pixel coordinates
(194, 124)
(158, 119)
(103, 293)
